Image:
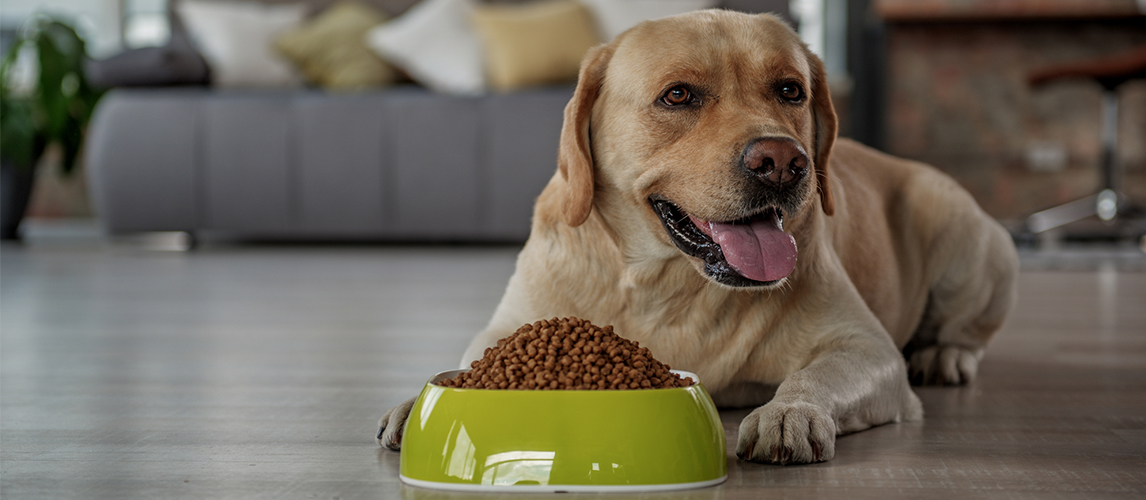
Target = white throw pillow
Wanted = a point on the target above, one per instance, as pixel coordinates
(616, 16)
(236, 39)
(436, 44)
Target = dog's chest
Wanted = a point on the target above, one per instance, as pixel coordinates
(722, 338)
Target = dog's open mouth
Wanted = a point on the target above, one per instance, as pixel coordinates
(754, 251)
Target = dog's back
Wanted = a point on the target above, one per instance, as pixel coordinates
(949, 279)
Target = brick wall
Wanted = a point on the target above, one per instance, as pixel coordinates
(958, 98)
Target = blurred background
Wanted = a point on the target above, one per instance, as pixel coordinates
(267, 140)
(321, 120)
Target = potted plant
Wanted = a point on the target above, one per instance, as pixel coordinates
(49, 110)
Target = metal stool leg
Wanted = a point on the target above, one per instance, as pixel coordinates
(1107, 203)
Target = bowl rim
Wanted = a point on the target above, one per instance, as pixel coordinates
(438, 377)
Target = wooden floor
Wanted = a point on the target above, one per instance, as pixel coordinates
(260, 371)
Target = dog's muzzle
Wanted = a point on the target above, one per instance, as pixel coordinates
(748, 252)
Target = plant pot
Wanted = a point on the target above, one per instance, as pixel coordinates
(15, 191)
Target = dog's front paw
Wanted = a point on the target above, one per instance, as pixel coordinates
(946, 364)
(393, 423)
(787, 433)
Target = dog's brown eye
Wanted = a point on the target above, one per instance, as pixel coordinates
(792, 91)
(677, 96)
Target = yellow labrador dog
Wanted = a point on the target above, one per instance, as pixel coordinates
(704, 207)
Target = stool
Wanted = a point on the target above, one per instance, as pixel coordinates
(1109, 203)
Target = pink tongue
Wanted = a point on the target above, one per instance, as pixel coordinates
(761, 250)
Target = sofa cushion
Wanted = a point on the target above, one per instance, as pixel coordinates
(331, 48)
(435, 43)
(235, 38)
(534, 43)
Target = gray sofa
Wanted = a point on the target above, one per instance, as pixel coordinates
(396, 164)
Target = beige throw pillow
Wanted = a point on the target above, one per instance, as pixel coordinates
(534, 43)
(331, 49)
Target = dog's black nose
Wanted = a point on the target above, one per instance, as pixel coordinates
(776, 161)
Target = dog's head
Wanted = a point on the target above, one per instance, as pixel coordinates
(715, 127)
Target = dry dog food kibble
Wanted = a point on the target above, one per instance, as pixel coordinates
(566, 353)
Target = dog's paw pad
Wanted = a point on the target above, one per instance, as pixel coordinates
(391, 425)
(787, 433)
(391, 440)
(943, 365)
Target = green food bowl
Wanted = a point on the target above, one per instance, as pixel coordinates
(558, 441)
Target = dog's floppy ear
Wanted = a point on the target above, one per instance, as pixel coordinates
(575, 155)
(827, 126)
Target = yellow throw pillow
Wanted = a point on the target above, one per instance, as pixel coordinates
(330, 49)
(534, 43)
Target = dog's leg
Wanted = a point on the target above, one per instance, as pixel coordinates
(479, 344)
(850, 386)
(967, 305)
(393, 424)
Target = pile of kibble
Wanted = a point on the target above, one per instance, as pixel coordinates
(566, 353)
